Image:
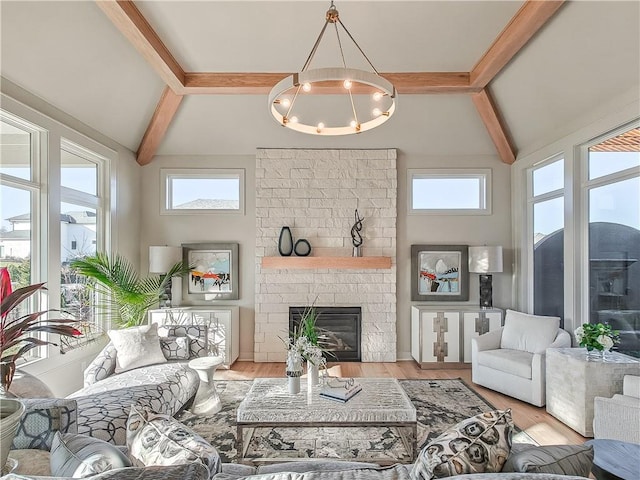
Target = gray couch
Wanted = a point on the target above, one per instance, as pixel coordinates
(103, 403)
(33, 458)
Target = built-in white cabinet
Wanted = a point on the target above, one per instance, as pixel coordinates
(441, 334)
(223, 326)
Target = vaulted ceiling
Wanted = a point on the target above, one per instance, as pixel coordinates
(76, 57)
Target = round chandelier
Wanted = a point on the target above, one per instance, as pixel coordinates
(348, 81)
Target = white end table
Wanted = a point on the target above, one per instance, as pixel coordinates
(574, 380)
(207, 400)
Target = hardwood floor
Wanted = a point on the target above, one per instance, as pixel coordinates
(541, 426)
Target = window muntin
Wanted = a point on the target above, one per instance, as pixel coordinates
(202, 190)
(437, 191)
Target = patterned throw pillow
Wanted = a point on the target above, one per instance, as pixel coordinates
(479, 444)
(44, 417)
(155, 439)
(175, 348)
(77, 456)
(136, 347)
(197, 334)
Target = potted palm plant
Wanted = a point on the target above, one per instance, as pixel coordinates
(126, 296)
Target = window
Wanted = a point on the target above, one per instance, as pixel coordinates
(546, 242)
(193, 191)
(54, 206)
(612, 188)
(449, 192)
(20, 196)
(82, 229)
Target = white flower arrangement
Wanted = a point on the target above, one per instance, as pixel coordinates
(596, 336)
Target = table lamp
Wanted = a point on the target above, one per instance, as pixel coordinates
(485, 260)
(161, 259)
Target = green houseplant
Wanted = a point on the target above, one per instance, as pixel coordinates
(127, 296)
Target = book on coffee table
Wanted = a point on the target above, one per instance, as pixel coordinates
(339, 393)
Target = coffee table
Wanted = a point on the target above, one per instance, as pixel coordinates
(381, 403)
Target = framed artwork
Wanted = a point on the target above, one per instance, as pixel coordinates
(214, 272)
(440, 273)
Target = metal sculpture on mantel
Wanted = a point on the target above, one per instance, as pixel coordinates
(356, 238)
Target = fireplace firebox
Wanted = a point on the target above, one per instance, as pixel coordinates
(339, 330)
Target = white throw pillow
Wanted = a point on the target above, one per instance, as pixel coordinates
(529, 333)
(137, 347)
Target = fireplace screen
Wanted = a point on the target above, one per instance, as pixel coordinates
(339, 330)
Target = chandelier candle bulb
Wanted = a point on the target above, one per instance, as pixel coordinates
(306, 87)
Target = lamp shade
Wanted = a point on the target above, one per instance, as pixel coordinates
(485, 259)
(161, 259)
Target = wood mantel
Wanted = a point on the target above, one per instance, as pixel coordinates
(339, 263)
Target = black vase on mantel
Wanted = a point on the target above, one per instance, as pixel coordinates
(285, 242)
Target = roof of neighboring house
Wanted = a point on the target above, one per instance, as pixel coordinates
(80, 216)
(16, 235)
(209, 204)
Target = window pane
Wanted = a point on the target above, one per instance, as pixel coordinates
(15, 151)
(77, 239)
(205, 193)
(548, 178)
(15, 234)
(615, 154)
(78, 173)
(77, 231)
(614, 259)
(447, 193)
(548, 261)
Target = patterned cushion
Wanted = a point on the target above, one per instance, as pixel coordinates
(197, 335)
(103, 366)
(175, 348)
(103, 408)
(137, 347)
(44, 417)
(78, 456)
(154, 439)
(558, 459)
(476, 445)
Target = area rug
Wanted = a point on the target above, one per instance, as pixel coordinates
(439, 404)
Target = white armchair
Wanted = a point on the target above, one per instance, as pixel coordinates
(618, 417)
(511, 360)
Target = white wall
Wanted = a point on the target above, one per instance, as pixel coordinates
(494, 229)
(63, 373)
(175, 230)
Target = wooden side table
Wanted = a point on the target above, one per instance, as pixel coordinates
(207, 400)
(573, 380)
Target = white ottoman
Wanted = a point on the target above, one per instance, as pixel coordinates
(207, 400)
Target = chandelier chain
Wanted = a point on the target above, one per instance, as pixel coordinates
(361, 51)
(315, 47)
(344, 63)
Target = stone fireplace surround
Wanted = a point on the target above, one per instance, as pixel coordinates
(315, 193)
